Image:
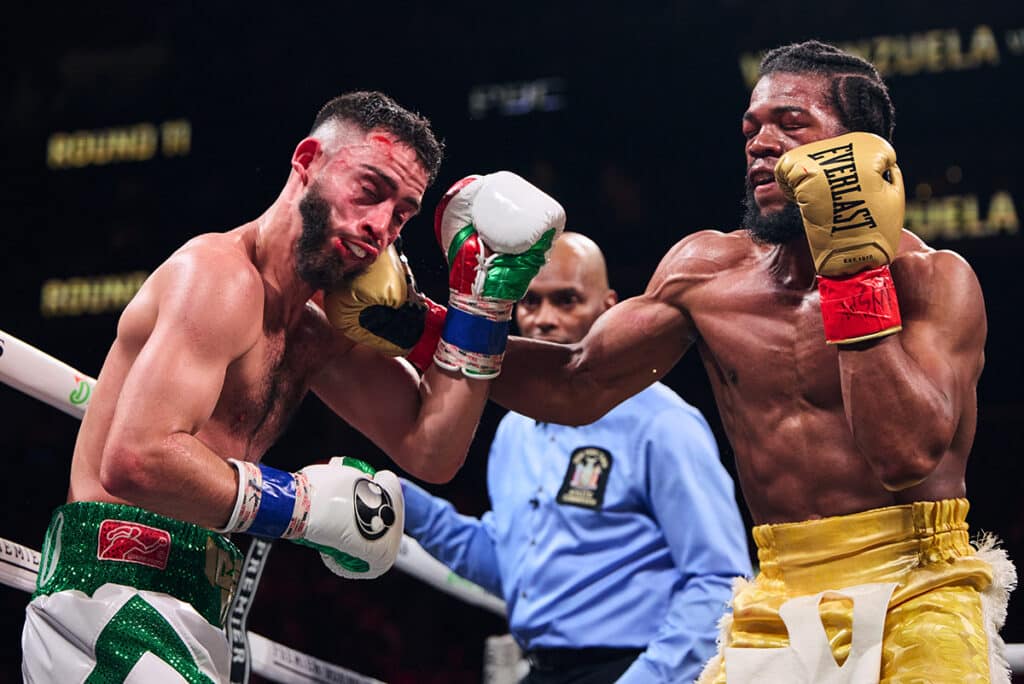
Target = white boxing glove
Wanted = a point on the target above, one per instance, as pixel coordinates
(495, 231)
(510, 213)
(350, 513)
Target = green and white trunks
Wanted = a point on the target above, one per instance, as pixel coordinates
(125, 595)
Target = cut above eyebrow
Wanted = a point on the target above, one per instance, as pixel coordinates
(391, 183)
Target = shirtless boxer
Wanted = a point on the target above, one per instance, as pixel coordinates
(848, 395)
(213, 356)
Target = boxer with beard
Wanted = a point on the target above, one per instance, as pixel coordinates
(844, 356)
(212, 357)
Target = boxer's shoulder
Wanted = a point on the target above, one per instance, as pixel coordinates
(916, 258)
(703, 256)
(207, 285)
(217, 263)
(710, 250)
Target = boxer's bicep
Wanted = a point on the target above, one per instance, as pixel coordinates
(199, 326)
(630, 346)
(639, 340)
(634, 344)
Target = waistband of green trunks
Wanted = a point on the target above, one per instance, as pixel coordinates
(89, 544)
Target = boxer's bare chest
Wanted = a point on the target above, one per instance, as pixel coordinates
(763, 345)
(262, 390)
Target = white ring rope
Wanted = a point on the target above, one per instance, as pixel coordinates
(40, 375)
(43, 377)
(413, 560)
(49, 380)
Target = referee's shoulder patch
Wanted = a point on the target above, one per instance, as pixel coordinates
(586, 478)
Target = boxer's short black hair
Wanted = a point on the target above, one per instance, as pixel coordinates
(857, 91)
(372, 109)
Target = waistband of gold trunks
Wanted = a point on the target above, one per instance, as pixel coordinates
(878, 545)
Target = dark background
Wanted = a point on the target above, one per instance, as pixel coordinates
(641, 143)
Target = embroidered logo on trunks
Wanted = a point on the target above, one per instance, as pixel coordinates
(586, 478)
(130, 542)
(51, 550)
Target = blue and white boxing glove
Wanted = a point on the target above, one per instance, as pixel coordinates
(350, 513)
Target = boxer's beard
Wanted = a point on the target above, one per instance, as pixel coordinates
(315, 260)
(774, 228)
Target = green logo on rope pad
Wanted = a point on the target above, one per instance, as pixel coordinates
(80, 394)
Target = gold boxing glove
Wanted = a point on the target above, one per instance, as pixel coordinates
(850, 194)
(381, 307)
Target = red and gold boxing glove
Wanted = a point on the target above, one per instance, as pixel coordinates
(850, 194)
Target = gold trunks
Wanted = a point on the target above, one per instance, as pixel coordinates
(936, 628)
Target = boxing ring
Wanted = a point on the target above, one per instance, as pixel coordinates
(53, 382)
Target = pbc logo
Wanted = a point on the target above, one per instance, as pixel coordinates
(375, 513)
(129, 542)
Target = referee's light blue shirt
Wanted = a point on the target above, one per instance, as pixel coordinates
(622, 533)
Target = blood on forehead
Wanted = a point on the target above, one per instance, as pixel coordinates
(390, 147)
(382, 141)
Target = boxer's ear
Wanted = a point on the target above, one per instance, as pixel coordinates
(305, 153)
(611, 298)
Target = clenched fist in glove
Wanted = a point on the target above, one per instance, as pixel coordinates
(850, 194)
(382, 308)
(350, 513)
(495, 231)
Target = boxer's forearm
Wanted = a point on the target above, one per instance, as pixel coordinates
(177, 476)
(424, 424)
(902, 421)
(632, 345)
(906, 395)
(449, 411)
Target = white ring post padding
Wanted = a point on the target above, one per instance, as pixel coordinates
(43, 377)
(1015, 657)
